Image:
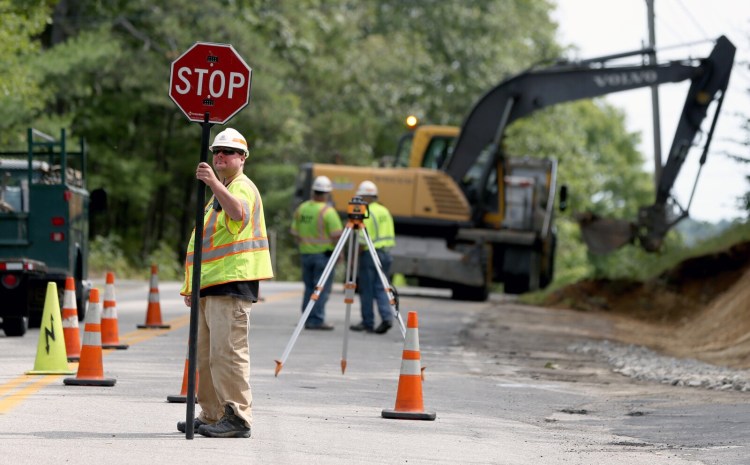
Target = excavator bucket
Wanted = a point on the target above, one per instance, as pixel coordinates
(605, 235)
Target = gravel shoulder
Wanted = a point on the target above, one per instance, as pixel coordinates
(698, 310)
(593, 348)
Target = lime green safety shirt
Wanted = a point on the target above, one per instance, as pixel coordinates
(313, 225)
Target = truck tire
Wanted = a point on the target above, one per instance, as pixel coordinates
(470, 293)
(83, 286)
(15, 327)
(549, 274)
(516, 283)
(82, 302)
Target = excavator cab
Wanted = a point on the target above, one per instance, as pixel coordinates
(425, 146)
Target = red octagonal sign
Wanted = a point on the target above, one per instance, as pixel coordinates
(210, 78)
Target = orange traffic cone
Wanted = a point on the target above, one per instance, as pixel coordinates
(409, 405)
(70, 321)
(182, 397)
(153, 314)
(90, 369)
(110, 331)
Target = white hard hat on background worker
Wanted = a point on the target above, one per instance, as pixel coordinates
(231, 139)
(367, 188)
(322, 184)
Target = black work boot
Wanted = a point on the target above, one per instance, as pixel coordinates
(383, 328)
(182, 426)
(361, 327)
(230, 426)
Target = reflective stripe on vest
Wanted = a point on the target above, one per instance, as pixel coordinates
(227, 255)
(258, 241)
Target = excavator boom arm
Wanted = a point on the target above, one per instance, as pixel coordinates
(537, 89)
(533, 90)
(709, 83)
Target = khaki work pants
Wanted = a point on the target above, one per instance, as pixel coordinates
(224, 358)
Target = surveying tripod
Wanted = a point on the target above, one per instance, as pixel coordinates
(356, 212)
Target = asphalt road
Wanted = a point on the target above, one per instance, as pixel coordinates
(516, 406)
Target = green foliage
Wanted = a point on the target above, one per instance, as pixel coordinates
(571, 263)
(332, 77)
(459, 49)
(21, 92)
(636, 264)
(284, 256)
(694, 231)
(631, 263)
(165, 256)
(737, 233)
(106, 254)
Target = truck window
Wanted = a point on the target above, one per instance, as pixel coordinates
(471, 180)
(403, 151)
(14, 184)
(11, 200)
(437, 152)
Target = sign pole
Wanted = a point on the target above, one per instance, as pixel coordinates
(209, 83)
(196, 289)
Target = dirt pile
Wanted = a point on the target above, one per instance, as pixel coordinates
(700, 309)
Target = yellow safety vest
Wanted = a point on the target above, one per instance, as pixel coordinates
(232, 250)
(380, 226)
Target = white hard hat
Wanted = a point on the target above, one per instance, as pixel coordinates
(230, 138)
(367, 188)
(322, 184)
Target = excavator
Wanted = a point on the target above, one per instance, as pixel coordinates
(468, 215)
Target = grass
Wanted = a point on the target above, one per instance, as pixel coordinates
(638, 265)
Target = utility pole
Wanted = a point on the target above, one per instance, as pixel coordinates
(654, 94)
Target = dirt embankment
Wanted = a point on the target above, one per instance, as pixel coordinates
(700, 309)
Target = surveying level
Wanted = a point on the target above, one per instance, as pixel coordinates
(357, 209)
(356, 212)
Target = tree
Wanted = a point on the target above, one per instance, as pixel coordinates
(330, 77)
(21, 92)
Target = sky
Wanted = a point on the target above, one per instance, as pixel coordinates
(603, 27)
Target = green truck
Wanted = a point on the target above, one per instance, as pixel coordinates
(44, 223)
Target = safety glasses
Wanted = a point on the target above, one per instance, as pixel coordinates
(225, 152)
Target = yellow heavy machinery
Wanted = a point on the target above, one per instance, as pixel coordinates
(468, 215)
(436, 242)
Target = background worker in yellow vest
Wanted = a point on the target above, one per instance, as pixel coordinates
(381, 230)
(235, 258)
(317, 227)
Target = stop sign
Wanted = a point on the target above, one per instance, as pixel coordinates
(210, 78)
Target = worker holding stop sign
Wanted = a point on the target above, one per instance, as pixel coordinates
(210, 83)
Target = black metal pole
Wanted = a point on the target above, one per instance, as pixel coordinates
(196, 285)
(656, 116)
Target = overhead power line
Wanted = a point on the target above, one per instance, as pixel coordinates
(692, 18)
(665, 25)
